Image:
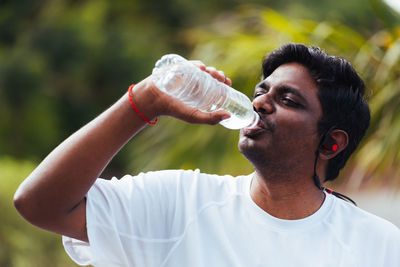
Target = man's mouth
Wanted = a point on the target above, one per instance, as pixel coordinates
(259, 129)
(252, 132)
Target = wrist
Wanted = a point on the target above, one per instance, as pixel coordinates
(137, 109)
(143, 101)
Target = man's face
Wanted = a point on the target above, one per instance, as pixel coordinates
(289, 110)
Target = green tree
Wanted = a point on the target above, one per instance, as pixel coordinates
(378, 159)
(236, 42)
(64, 61)
(22, 244)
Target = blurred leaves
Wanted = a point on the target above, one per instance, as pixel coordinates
(64, 61)
(22, 244)
(379, 58)
(236, 41)
(68, 59)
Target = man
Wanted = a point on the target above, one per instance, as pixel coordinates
(312, 117)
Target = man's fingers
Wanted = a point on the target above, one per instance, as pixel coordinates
(213, 72)
(199, 64)
(198, 116)
(217, 74)
(228, 81)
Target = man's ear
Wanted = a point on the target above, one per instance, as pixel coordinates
(337, 140)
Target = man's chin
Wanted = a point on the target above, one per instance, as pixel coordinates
(250, 148)
(255, 157)
(252, 139)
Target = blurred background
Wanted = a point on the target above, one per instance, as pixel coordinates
(62, 62)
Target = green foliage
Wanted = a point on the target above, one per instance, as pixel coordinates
(174, 144)
(72, 60)
(21, 244)
(236, 43)
(379, 59)
(64, 61)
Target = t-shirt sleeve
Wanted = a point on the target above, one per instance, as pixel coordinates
(130, 217)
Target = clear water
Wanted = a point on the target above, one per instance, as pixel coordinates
(241, 116)
(182, 80)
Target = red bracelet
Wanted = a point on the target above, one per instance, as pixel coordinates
(136, 109)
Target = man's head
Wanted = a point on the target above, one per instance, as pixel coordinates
(340, 92)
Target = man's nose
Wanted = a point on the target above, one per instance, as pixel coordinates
(263, 104)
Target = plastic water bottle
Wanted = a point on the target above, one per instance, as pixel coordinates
(179, 78)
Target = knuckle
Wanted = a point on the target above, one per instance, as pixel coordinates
(193, 116)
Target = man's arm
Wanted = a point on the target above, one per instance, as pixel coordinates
(53, 195)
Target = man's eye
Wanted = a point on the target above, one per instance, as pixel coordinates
(289, 102)
(256, 95)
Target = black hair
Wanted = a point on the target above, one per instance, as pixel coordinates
(340, 91)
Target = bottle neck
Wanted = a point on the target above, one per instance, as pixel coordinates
(255, 121)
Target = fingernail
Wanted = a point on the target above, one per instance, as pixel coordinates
(224, 117)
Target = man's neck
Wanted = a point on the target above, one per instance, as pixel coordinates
(286, 199)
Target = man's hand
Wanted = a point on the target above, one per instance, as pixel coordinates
(154, 103)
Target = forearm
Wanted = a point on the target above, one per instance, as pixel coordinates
(61, 181)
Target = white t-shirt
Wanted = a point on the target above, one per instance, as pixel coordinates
(187, 218)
